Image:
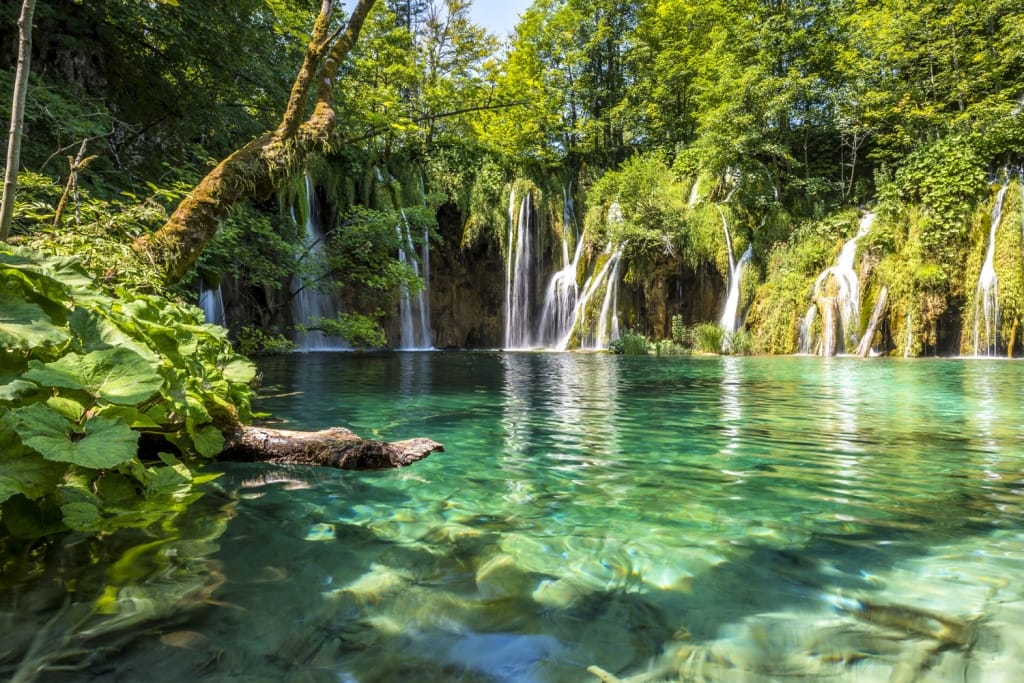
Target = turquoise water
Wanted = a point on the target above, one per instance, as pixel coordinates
(705, 519)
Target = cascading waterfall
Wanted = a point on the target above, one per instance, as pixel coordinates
(519, 274)
(558, 312)
(602, 283)
(560, 299)
(309, 304)
(728, 321)
(608, 320)
(414, 310)
(563, 315)
(986, 297)
(839, 284)
(212, 303)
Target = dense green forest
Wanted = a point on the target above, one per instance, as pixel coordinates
(781, 120)
(834, 176)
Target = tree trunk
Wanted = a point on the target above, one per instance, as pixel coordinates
(255, 170)
(17, 117)
(336, 447)
(829, 311)
(864, 348)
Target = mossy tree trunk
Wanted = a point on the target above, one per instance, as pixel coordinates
(256, 169)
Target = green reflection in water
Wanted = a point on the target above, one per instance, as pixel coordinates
(673, 519)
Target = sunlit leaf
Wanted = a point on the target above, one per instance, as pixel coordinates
(101, 443)
(24, 325)
(239, 370)
(116, 375)
(96, 332)
(208, 441)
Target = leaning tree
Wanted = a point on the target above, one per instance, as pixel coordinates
(256, 169)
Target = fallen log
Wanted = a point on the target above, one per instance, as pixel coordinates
(336, 447)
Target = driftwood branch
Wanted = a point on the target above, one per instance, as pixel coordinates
(336, 447)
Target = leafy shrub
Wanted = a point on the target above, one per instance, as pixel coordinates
(708, 337)
(630, 344)
(83, 375)
(252, 341)
(667, 347)
(680, 333)
(738, 343)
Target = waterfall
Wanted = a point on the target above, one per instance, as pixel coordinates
(602, 283)
(694, 193)
(564, 307)
(839, 284)
(806, 333)
(519, 273)
(608, 319)
(986, 297)
(414, 310)
(560, 299)
(212, 303)
(732, 302)
(309, 304)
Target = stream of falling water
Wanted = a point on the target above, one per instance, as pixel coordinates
(212, 303)
(310, 304)
(519, 274)
(847, 285)
(986, 297)
(414, 310)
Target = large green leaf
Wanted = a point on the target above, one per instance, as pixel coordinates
(208, 441)
(239, 370)
(116, 375)
(101, 443)
(64, 272)
(21, 469)
(97, 332)
(25, 325)
(16, 389)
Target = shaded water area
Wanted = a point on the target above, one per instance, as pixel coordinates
(692, 519)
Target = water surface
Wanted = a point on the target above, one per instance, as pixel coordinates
(706, 519)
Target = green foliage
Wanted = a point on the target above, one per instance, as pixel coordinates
(357, 329)
(252, 341)
(738, 343)
(630, 344)
(708, 338)
(83, 374)
(668, 347)
(254, 248)
(680, 333)
(946, 177)
(778, 308)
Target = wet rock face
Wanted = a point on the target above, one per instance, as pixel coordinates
(467, 288)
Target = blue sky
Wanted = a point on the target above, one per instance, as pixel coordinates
(498, 16)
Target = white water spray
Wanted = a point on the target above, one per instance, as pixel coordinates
(986, 296)
(414, 311)
(728, 321)
(309, 304)
(602, 283)
(846, 287)
(212, 303)
(519, 274)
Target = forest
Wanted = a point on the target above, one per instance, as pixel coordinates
(193, 189)
(647, 177)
